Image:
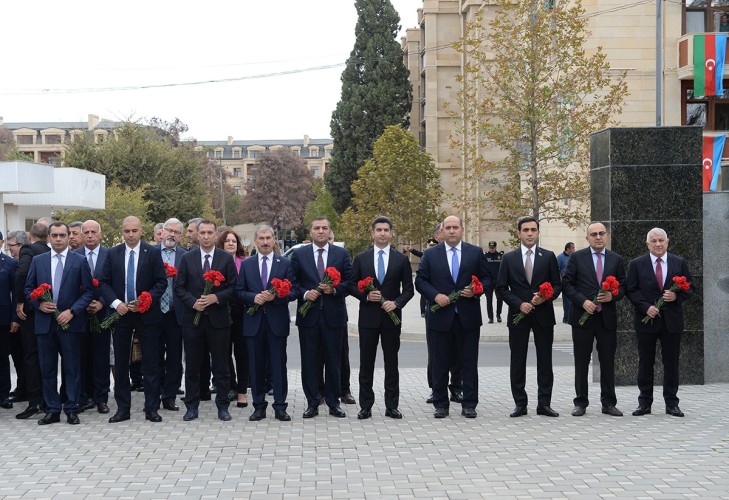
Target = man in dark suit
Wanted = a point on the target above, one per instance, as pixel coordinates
(446, 268)
(326, 322)
(60, 323)
(214, 323)
(172, 310)
(8, 324)
(95, 355)
(267, 329)
(650, 278)
(393, 279)
(131, 268)
(584, 274)
(38, 244)
(522, 272)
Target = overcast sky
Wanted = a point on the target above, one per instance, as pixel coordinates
(65, 60)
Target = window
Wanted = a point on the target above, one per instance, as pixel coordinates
(237, 190)
(314, 152)
(236, 172)
(218, 153)
(712, 113)
(252, 153)
(53, 139)
(236, 153)
(707, 16)
(24, 140)
(315, 171)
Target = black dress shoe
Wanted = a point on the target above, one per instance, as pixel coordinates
(283, 416)
(170, 405)
(491, 321)
(232, 395)
(240, 404)
(364, 414)
(469, 412)
(440, 413)
(457, 396)
(547, 411)
(6, 403)
(224, 415)
(136, 387)
(642, 410)
(580, 411)
(674, 411)
(498, 318)
(393, 413)
(430, 399)
(337, 412)
(180, 392)
(519, 411)
(72, 418)
(102, 408)
(152, 416)
(612, 411)
(257, 415)
(140, 388)
(28, 412)
(311, 412)
(348, 399)
(18, 397)
(190, 414)
(88, 406)
(50, 418)
(119, 416)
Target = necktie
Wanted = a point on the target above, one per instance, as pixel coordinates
(454, 265)
(206, 265)
(659, 274)
(130, 277)
(164, 302)
(57, 275)
(599, 275)
(381, 267)
(528, 266)
(264, 272)
(91, 262)
(320, 263)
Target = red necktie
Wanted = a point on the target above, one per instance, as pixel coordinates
(659, 274)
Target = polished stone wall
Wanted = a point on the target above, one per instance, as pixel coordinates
(643, 178)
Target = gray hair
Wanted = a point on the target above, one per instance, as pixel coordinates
(20, 237)
(263, 228)
(172, 220)
(159, 226)
(195, 221)
(656, 231)
(76, 223)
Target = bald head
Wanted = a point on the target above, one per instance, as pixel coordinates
(91, 231)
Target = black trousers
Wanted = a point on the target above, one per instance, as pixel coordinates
(149, 338)
(465, 343)
(490, 303)
(369, 338)
(321, 342)
(170, 356)
(31, 363)
(519, 345)
(95, 373)
(68, 346)
(239, 349)
(582, 341)
(267, 349)
(4, 362)
(670, 351)
(345, 369)
(456, 384)
(16, 353)
(218, 344)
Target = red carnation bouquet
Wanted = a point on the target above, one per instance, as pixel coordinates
(611, 284)
(368, 285)
(545, 291)
(170, 270)
(143, 303)
(44, 293)
(476, 286)
(331, 277)
(679, 283)
(94, 324)
(282, 288)
(212, 278)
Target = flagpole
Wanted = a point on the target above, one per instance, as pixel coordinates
(659, 62)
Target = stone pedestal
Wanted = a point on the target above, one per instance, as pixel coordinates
(643, 178)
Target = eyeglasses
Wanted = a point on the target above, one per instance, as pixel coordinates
(595, 235)
(173, 231)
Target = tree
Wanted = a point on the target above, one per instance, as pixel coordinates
(135, 155)
(530, 96)
(322, 205)
(376, 93)
(8, 150)
(120, 202)
(400, 181)
(215, 181)
(279, 191)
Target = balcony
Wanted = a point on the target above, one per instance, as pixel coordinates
(686, 57)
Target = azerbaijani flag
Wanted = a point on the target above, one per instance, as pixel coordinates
(711, 164)
(710, 50)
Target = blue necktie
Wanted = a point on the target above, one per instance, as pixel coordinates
(130, 277)
(454, 265)
(57, 275)
(264, 273)
(381, 267)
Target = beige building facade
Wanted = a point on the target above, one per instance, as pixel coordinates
(625, 29)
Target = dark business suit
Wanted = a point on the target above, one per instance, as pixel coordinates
(643, 291)
(150, 277)
(374, 323)
(459, 322)
(579, 284)
(322, 329)
(514, 288)
(8, 267)
(75, 293)
(267, 329)
(31, 364)
(95, 374)
(214, 325)
(171, 332)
